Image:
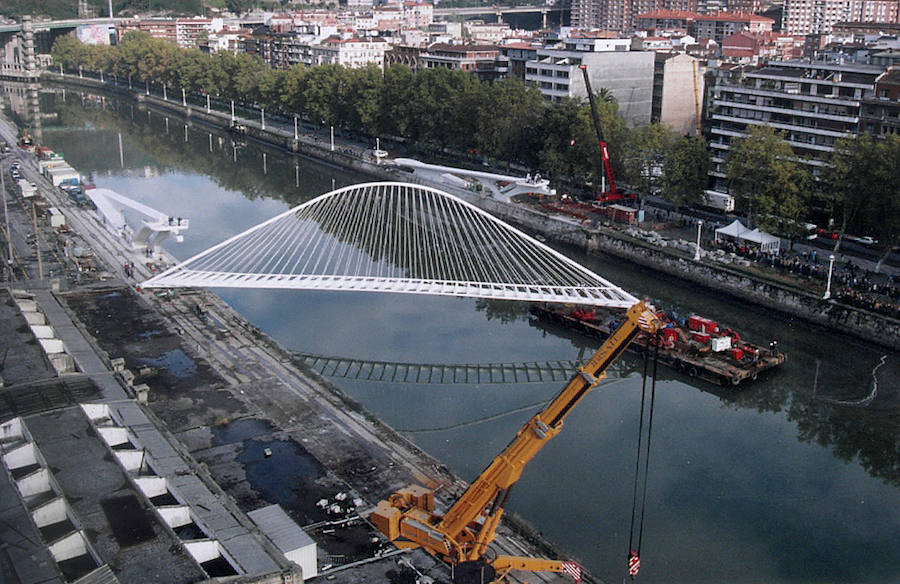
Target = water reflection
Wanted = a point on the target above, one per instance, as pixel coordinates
(773, 483)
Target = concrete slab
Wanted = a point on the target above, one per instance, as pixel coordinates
(22, 554)
(76, 345)
(122, 528)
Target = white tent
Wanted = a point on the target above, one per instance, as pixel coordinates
(767, 243)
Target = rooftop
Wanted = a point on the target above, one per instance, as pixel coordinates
(891, 77)
(688, 15)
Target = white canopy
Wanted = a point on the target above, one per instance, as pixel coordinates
(767, 243)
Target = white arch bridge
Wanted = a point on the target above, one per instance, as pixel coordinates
(394, 237)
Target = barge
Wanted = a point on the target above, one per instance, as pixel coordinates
(704, 349)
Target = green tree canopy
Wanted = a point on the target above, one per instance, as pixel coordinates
(686, 171)
(646, 152)
(769, 183)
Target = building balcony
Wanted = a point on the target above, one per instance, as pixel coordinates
(724, 101)
(810, 80)
(726, 132)
(824, 99)
(783, 126)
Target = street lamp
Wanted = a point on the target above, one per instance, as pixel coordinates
(828, 285)
(697, 250)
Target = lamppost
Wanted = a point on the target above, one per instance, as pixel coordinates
(262, 118)
(697, 250)
(828, 285)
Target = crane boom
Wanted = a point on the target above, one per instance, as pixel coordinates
(462, 535)
(604, 149)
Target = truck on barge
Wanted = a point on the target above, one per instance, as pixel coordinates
(703, 349)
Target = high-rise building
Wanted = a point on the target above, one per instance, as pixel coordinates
(620, 15)
(611, 65)
(820, 16)
(812, 104)
(703, 26)
(881, 112)
(678, 89)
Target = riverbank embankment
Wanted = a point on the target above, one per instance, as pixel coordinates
(746, 285)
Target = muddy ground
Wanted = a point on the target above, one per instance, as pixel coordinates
(255, 461)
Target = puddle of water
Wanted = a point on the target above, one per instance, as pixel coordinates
(149, 334)
(286, 477)
(109, 295)
(174, 362)
(240, 431)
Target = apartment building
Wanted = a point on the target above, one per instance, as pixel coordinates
(702, 26)
(881, 112)
(611, 65)
(678, 89)
(620, 15)
(417, 14)
(821, 16)
(811, 103)
(753, 48)
(487, 32)
(719, 26)
(353, 53)
(189, 30)
(486, 61)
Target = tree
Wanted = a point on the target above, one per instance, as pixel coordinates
(851, 179)
(763, 173)
(881, 214)
(239, 6)
(395, 93)
(686, 171)
(366, 87)
(509, 112)
(645, 156)
(569, 146)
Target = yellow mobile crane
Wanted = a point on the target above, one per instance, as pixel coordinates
(462, 535)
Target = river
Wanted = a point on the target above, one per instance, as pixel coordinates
(792, 479)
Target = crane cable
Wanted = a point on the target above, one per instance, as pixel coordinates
(633, 562)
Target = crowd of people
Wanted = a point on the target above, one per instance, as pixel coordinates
(850, 283)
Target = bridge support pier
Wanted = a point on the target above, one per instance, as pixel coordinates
(28, 45)
(543, 19)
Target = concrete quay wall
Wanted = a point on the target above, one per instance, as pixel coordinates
(756, 289)
(772, 294)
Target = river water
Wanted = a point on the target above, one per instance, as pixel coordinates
(792, 479)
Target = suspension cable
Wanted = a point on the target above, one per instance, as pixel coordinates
(637, 458)
(633, 553)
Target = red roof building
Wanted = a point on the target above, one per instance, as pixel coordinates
(702, 26)
(748, 47)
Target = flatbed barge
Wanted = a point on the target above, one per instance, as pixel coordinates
(703, 350)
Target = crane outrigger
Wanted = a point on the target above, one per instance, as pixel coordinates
(461, 536)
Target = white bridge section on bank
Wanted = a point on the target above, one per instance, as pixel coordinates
(155, 225)
(498, 186)
(394, 237)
